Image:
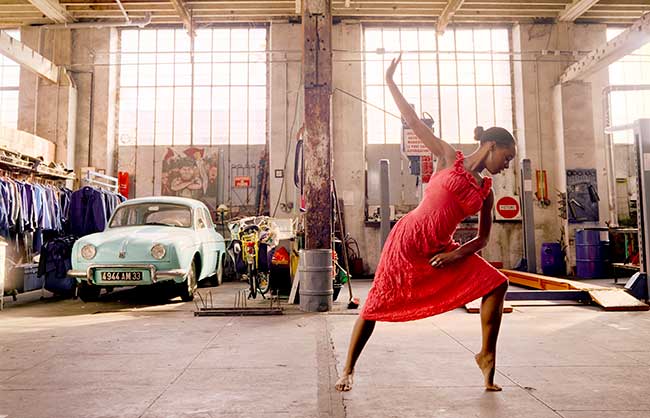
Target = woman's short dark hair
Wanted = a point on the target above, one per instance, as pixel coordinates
(495, 134)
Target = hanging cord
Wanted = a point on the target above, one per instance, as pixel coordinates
(288, 143)
(368, 103)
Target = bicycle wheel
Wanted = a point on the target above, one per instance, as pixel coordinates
(264, 282)
(252, 282)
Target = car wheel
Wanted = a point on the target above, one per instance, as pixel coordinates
(189, 285)
(89, 292)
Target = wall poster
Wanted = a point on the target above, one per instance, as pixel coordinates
(191, 172)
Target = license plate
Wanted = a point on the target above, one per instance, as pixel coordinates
(123, 276)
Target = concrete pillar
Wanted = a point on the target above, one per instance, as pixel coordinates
(96, 80)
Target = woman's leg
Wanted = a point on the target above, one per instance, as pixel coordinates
(491, 313)
(360, 335)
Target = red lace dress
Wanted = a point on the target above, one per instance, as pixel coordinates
(406, 287)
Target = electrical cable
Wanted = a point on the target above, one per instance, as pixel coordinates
(368, 103)
(288, 142)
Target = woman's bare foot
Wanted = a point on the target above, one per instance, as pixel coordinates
(344, 383)
(486, 364)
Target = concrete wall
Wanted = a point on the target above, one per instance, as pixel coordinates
(625, 162)
(44, 106)
(285, 114)
(353, 159)
(538, 131)
(145, 165)
(558, 127)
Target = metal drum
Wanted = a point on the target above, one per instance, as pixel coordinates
(553, 259)
(592, 253)
(316, 291)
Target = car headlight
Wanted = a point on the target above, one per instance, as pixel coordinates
(88, 251)
(158, 251)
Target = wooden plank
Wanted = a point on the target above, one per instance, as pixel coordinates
(184, 15)
(450, 9)
(28, 58)
(576, 9)
(475, 306)
(617, 300)
(610, 299)
(294, 288)
(537, 281)
(53, 10)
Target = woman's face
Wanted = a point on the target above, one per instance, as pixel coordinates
(499, 157)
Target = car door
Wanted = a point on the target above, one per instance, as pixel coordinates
(205, 231)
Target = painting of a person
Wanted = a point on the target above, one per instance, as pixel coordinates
(211, 189)
(188, 183)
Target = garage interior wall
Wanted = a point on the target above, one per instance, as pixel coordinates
(553, 133)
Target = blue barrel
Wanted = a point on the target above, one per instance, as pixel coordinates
(553, 259)
(592, 253)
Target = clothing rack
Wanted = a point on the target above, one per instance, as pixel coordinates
(33, 208)
(102, 181)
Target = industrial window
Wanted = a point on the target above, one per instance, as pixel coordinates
(220, 98)
(627, 106)
(462, 79)
(9, 83)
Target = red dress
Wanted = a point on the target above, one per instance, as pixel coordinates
(406, 286)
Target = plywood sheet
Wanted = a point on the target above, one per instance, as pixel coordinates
(617, 300)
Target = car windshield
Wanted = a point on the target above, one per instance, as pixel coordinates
(164, 214)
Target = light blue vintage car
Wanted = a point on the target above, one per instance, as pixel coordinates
(150, 240)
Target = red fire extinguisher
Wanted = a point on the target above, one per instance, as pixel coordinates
(123, 183)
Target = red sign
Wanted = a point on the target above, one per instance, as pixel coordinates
(242, 182)
(508, 207)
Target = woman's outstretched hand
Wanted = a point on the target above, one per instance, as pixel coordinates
(391, 68)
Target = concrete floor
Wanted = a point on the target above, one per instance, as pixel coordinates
(126, 356)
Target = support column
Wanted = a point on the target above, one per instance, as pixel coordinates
(317, 76)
